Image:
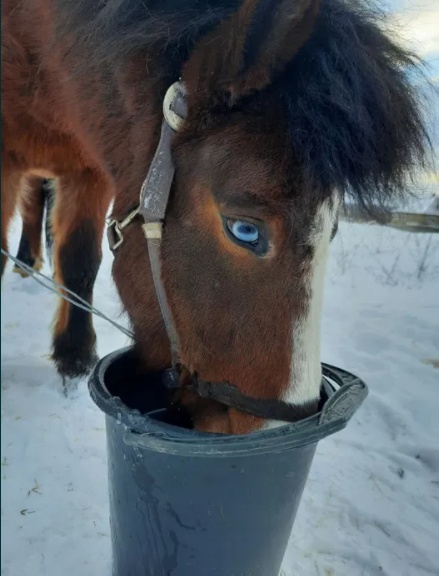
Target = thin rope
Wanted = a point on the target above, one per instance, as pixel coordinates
(56, 287)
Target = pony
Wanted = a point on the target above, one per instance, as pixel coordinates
(291, 106)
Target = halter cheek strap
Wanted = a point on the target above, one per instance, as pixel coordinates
(154, 198)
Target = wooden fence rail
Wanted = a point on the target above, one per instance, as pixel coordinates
(407, 221)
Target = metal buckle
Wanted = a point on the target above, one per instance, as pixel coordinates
(114, 235)
(115, 229)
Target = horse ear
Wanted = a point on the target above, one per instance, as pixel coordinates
(267, 35)
(244, 53)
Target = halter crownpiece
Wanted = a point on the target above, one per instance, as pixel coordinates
(154, 194)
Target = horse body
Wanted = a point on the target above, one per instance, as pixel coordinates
(289, 104)
(43, 138)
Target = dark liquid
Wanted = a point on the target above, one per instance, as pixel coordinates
(144, 392)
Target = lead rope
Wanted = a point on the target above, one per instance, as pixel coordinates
(59, 289)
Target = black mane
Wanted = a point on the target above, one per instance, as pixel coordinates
(355, 105)
(115, 30)
(354, 113)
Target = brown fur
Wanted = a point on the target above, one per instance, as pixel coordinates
(93, 124)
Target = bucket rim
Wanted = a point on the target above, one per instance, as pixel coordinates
(341, 391)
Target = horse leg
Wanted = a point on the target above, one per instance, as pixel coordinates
(32, 213)
(78, 219)
(11, 178)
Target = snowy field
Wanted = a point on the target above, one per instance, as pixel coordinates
(371, 505)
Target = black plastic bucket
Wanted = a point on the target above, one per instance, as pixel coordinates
(184, 503)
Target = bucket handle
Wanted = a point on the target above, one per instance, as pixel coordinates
(345, 401)
(334, 416)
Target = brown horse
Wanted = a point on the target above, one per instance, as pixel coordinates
(290, 105)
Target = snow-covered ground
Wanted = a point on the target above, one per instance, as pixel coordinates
(371, 505)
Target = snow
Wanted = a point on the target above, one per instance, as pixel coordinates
(433, 206)
(371, 504)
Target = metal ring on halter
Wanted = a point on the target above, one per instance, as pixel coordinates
(115, 229)
(173, 94)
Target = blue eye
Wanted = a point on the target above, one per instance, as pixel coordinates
(243, 231)
(249, 235)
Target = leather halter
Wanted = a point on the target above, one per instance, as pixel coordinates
(154, 197)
